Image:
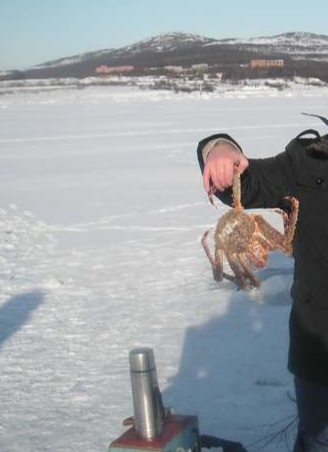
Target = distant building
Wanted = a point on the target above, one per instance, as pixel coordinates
(202, 67)
(266, 63)
(175, 69)
(113, 69)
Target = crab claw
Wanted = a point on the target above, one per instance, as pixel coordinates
(210, 194)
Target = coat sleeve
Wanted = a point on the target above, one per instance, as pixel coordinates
(267, 181)
(204, 142)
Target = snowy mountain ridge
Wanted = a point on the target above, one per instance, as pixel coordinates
(175, 41)
(295, 39)
(73, 59)
(168, 42)
(187, 49)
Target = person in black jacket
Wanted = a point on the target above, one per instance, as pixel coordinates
(301, 170)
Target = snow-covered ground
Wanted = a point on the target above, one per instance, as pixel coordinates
(102, 210)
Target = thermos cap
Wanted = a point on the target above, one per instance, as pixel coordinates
(142, 359)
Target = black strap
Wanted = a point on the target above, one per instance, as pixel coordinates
(323, 119)
(308, 132)
(208, 442)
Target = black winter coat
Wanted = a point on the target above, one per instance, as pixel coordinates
(301, 173)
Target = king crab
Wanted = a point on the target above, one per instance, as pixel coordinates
(246, 239)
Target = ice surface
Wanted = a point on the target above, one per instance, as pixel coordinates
(102, 210)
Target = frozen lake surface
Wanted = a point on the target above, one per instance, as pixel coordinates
(102, 211)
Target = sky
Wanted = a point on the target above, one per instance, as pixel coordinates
(33, 32)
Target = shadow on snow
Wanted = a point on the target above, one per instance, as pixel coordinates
(16, 312)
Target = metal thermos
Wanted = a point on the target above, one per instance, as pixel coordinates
(147, 399)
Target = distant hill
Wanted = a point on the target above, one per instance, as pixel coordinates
(305, 54)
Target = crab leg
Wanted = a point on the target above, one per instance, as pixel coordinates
(254, 281)
(291, 219)
(236, 189)
(210, 195)
(217, 262)
(239, 279)
(277, 239)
